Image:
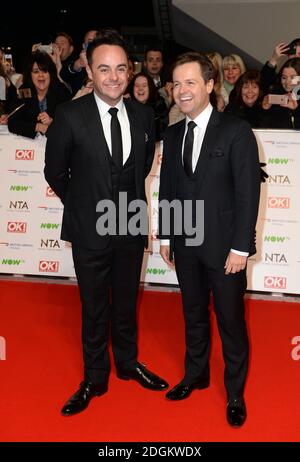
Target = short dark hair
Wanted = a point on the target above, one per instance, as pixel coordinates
(153, 92)
(294, 63)
(44, 63)
(207, 68)
(153, 48)
(252, 76)
(105, 37)
(67, 36)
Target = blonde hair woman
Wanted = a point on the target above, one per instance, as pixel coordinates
(221, 93)
(233, 68)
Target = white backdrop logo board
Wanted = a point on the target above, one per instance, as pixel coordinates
(31, 216)
(30, 212)
(276, 266)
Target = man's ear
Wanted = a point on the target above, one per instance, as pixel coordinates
(89, 72)
(210, 86)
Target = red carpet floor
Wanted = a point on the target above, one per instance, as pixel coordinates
(41, 325)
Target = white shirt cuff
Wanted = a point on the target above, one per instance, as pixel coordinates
(238, 252)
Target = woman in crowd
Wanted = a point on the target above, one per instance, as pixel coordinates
(233, 67)
(286, 114)
(143, 89)
(247, 99)
(8, 93)
(40, 93)
(219, 90)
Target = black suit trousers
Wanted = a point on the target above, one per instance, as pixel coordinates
(197, 279)
(108, 282)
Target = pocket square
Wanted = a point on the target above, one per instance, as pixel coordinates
(216, 153)
(146, 137)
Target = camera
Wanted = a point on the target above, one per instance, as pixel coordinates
(291, 49)
(46, 48)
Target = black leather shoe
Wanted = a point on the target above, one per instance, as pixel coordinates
(236, 412)
(81, 399)
(144, 377)
(182, 391)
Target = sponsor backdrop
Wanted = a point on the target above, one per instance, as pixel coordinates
(30, 216)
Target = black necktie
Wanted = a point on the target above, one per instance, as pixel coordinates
(188, 149)
(116, 138)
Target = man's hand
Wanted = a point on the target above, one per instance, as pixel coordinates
(165, 253)
(235, 263)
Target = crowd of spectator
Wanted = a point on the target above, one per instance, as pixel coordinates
(266, 97)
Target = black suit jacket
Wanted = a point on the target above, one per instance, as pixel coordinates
(228, 180)
(77, 166)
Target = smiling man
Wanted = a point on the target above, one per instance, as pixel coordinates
(101, 146)
(211, 157)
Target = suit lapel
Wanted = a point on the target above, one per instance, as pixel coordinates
(177, 143)
(96, 133)
(208, 144)
(137, 142)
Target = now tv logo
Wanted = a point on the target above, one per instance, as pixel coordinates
(48, 266)
(24, 154)
(16, 227)
(278, 202)
(275, 282)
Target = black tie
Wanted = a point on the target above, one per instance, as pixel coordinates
(188, 149)
(116, 138)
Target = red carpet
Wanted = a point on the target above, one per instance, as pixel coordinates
(41, 325)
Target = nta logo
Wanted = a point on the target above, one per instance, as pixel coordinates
(275, 257)
(24, 154)
(279, 179)
(18, 205)
(50, 244)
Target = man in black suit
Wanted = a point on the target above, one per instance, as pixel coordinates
(210, 157)
(100, 148)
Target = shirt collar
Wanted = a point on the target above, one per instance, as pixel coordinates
(104, 107)
(202, 119)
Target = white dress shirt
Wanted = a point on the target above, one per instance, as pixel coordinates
(201, 122)
(124, 123)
